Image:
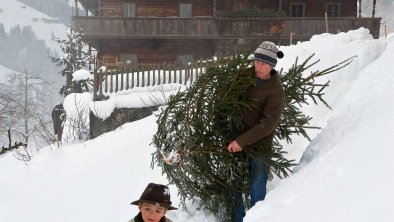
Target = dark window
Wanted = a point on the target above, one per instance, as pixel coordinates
(129, 10)
(185, 59)
(185, 10)
(333, 9)
(129, 59)
(297, 9)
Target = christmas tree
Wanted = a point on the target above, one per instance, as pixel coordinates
(196, 126)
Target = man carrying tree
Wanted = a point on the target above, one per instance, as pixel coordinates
(260, 122)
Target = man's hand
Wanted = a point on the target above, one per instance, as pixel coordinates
(234, 147)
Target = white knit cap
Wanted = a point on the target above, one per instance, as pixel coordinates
(267, 52)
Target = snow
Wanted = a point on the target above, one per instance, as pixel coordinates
(136, 97)
(343, 175)
(15, 13)
(4, 72)
(81, 74)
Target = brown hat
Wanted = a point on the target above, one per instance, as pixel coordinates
(156, 194)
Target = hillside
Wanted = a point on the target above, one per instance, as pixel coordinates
(14, 13)
(343, 175)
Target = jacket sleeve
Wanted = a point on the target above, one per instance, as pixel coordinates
(269, 120)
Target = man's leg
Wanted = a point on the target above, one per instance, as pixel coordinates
(239, 209)
(258, 181)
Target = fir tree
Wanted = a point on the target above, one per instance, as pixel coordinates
(75, 56)
(197, 125)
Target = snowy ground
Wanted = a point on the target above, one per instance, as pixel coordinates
(344, 175)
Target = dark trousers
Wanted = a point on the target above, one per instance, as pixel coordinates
(257, 189)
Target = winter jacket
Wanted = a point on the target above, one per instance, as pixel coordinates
(138, 218)
(260, 122)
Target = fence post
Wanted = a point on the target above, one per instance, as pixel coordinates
(190, 71)
(143, 78)
(169, 75)
(106, 81)
(148, 72)
(385, 31)
(132, 78)
(326, 20)
(127, 78)
(116, 80)
(154, 76)
(291, 37)
(159, 76)
(121, 78)
(95, 85)
(138, 78)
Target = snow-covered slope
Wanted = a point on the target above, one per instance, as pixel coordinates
(344, 176)
(14, 13)
(4, 71)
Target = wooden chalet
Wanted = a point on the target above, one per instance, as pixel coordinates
(146, 32)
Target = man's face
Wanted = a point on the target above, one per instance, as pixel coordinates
(151, 212)
(262, 69)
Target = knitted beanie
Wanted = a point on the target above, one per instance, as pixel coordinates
(267, 52)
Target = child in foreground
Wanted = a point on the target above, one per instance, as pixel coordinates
(153, 204)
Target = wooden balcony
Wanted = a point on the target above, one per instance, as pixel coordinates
(219, 28)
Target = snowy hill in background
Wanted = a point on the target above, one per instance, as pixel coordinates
(344, 175)
(14, 13)
(4, 71)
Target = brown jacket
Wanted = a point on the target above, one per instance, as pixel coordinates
(261, 121)
(138, 218)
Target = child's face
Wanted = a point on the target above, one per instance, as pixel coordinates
(151, 212)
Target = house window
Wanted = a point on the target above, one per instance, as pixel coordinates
(129, 59)
(297, 9)
(185, 59)
(185, 10)
(129, 10)
(333, 9)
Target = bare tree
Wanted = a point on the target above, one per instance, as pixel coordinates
(16, 146)
(28, 103)
(76, 125)
(7, 109)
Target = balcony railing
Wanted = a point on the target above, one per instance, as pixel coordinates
(165, 27)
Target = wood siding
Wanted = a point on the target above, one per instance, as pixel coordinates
(157, 33)
(156, 51)
(154, 8)
(216, 28)
(317, 8)
(170, 8)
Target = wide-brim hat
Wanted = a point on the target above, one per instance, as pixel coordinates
(156, 194)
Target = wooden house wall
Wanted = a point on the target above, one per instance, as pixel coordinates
(157, 50)
(153, 8)
(316, 8)
(170, 8)
(167, 50)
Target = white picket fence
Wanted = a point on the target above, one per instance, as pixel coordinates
(112, 81)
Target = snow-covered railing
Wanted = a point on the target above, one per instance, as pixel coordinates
(107, 81)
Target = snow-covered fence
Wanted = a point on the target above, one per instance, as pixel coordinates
(107, 81)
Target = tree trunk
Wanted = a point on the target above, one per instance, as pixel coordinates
(373, 8)
(76, 7)
(25, 111)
